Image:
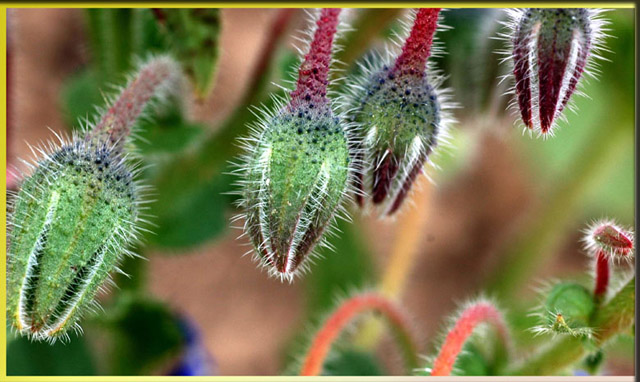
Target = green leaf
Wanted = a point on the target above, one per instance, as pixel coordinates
(343, 362)
(471, 361)
(146, 334)
(168, 133)
(193, 36)
(191, 215)
(80, 97)
(25, 357)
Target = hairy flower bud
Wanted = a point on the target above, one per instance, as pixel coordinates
(567, 310)
(609, 238)
(75, 216)
(551, 50)
(297, 167)
(399, 119)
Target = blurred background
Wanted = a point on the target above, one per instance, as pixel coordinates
(505, 213)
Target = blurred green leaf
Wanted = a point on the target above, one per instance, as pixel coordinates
(193, 36)
(166, 133)
(146, 334)
(25, 357)
(80, 97)
(351, 362)
(471, 361)
(193, 215)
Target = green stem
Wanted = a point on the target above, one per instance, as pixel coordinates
(537, 242)
(615, 317)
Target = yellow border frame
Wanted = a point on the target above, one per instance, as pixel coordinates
(3, 145)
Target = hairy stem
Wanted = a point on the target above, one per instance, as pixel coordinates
(470, 318)
(346, 313)
(602, 276)
(115, 124)
(314, 70)
(417, 48)
(614, 317)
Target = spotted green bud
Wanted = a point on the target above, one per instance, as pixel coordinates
(72, 220)
(296, 170)
(75, 216)
(399, 119)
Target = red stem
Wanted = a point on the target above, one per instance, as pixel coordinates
(314, 70)
(345, 314)
(464, 326)
(602, 275)
(417, 48)
(115, 124)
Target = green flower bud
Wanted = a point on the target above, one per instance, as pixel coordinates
(73, 218)
(296, 170)
(75, 215)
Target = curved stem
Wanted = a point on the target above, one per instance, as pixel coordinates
(469, 319)
(346, 313)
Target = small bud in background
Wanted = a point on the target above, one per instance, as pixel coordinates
(606, 242)
(295, 173)
(615, 241)
(551, 49)
(76, 215)
(400, 118)
(566, 310)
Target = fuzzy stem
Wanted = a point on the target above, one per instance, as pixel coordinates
(346, 313)
(417, 48)
(464, 326)
(116, 123)
(602, 276)
(314, 71)
(615, 317)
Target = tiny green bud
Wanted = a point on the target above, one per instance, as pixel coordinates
(567, 310)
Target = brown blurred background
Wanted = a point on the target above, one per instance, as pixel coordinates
(247, 318)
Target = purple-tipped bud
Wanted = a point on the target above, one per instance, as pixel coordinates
(399, 116)
(551, 49)
(609, 238)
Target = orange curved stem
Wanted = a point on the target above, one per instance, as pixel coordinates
(470, 318)
(348, 311)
